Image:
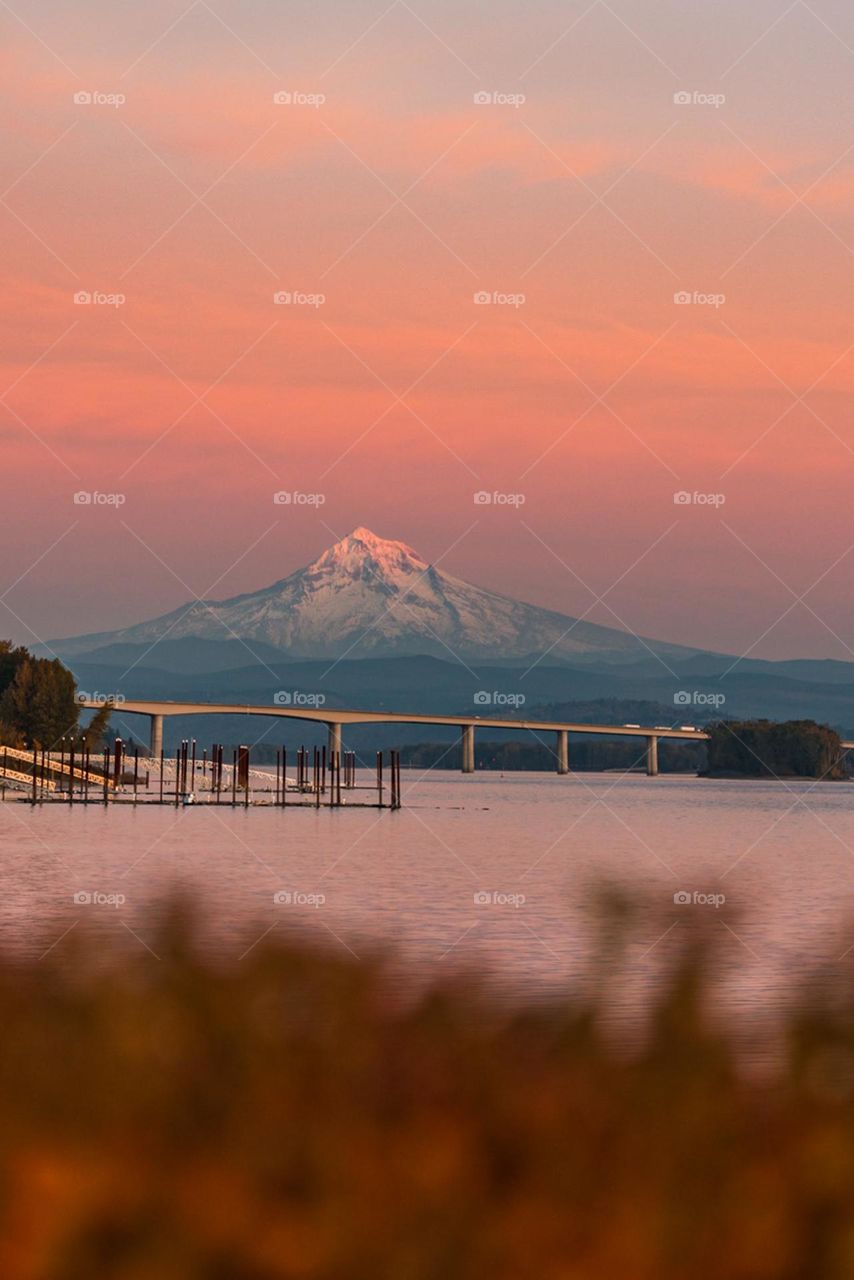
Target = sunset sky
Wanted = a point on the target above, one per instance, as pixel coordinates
(387, 189)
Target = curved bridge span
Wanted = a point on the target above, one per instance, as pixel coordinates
(336, 717)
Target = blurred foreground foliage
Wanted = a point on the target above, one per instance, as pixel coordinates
(283, 1117)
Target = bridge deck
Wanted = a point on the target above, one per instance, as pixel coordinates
(341, 715)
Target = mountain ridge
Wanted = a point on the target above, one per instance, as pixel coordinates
(368, 596)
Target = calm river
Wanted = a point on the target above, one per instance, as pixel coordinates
(484, 872)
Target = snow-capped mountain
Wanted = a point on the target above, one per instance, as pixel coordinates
(369, 597)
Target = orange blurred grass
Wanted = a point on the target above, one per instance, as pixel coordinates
(284, 1117)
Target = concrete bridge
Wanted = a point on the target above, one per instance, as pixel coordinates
(335, 718)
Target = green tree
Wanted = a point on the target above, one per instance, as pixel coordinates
(39, 704)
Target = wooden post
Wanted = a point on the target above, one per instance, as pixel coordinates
(467, 745)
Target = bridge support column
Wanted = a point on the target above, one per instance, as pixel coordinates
(334, 740)
(467, 744)
(562, 751)
(155, 741)
(652, 757)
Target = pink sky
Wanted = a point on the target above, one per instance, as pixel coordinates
(495, 198)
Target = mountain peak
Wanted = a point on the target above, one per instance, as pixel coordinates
(364, 547)
(361, 534)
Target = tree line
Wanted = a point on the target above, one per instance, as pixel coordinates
(766, 749)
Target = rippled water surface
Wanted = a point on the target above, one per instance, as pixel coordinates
(485, 871)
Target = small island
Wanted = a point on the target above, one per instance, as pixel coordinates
(766, 749)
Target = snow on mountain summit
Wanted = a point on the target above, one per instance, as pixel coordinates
(362, 552)
(368, 596)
